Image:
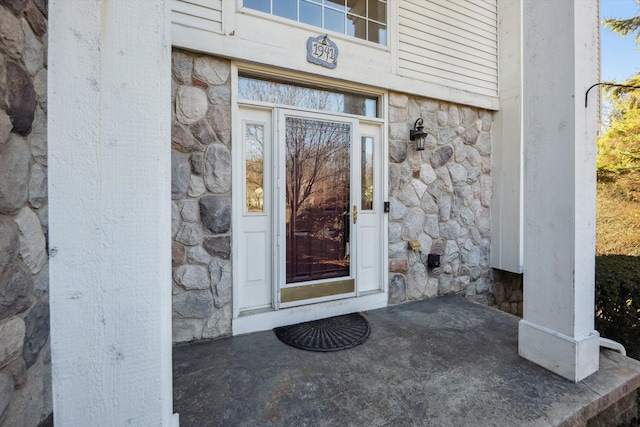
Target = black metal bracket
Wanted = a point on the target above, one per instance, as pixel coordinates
(586, 95)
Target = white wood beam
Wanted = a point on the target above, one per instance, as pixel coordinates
(110, 216)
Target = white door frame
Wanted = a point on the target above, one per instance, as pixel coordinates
(256, 320)
(279, 215)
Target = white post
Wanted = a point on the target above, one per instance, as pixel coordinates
(506, 153)
(560, 62)
(110, 215)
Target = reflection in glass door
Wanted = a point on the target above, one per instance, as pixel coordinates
(318, 196)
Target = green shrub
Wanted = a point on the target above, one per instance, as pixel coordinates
(618, 300)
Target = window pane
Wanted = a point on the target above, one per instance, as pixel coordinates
(254, 89)
(371, 107)
(367, 173)
(378, 11)
(286, 8)
(357, 7)
(311, 13)
(356, 27)
(330, 15)
(334, 20)
(378, 33)
(336, 4)
(261, 5)
(254, 166)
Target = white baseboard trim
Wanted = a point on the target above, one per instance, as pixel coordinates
(289, 316)
(571, 358)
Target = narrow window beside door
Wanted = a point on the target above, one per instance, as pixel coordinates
(367, 173)
(254, 167)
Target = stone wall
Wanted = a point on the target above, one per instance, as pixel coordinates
(507, 292)
(441, 197)
(201, 193)
(25, 363)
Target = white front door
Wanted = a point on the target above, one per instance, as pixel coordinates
(317, 211)
(311, 216)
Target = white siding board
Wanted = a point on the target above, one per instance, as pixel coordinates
(455, 18)
(413, 40)
(489, 5)
(420, 75)
(204, 3)
(468, 39)
(208, 14)
(436, 76)
(449, 72)
(428, 23)
(446, 30)
(450, 42)
(464, 11)
(463, 68)
(417, 63)
(202, 14)
(486, 8)
(437, 30)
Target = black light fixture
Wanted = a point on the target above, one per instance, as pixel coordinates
(418, 135)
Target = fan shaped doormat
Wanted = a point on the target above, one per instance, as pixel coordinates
(330, 334)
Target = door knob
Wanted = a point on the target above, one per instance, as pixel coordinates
(355, 214)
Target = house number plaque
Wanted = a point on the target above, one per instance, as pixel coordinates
(322, 51)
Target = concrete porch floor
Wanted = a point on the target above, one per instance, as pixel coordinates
(439, 362)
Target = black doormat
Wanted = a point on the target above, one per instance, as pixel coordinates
(331, 334)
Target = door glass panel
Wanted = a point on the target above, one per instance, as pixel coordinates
(254, 166)
(317, 199)
(367, 173)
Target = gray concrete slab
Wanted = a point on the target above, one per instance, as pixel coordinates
(438, 362)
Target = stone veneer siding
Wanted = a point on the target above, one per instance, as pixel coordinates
(25, 356)
(508, 292)
(441, 197)
(201, 193)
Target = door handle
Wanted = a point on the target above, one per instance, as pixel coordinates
(355, 214)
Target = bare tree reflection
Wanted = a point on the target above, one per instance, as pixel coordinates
(317, 181)
(317, 197)
(254, 166)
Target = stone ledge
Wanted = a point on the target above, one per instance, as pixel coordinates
(617, 379)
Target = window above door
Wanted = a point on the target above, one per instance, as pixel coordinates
(252, 88)
(363, 19)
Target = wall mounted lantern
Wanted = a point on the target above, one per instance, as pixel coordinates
(418, 135)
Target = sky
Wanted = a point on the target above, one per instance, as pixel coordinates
(620, 56)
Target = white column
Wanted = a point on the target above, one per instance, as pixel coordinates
(560, 61)
(109, 212)
(506, 152)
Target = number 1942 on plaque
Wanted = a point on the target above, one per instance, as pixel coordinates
(322, 51)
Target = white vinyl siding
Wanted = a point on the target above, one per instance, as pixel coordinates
(450, 42)
(442, 49)
(202, 14)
